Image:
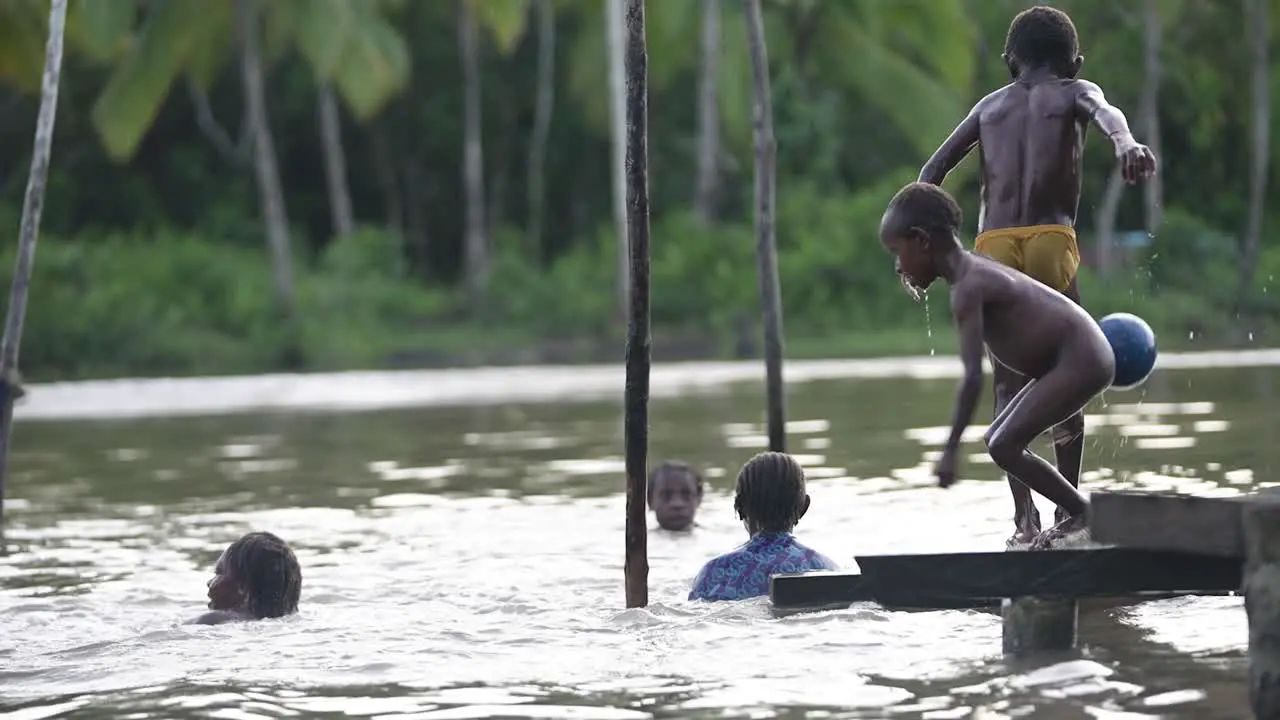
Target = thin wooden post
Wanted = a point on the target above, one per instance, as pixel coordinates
(28, 233)
(636, 397)
(1260, 520)
(766, 250)
(1032, 625)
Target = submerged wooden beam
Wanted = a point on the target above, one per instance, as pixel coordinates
(1179, 523)
(958, 580)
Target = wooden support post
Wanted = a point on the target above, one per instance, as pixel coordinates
(1030, 625)
(1261, 525)
(1035, 625)
(29, 231)
(766, 244)
(636, 395)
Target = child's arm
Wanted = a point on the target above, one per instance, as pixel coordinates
(966, 306)
(952, 151)
(1136, 160)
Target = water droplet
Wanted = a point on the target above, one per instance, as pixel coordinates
(1191, 335)
(928, 323)
(1250, 337)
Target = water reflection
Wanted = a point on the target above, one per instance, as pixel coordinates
(459, 561)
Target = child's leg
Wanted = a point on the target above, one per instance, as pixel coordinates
(1041, 405)
(1006, 385)
(1068, 436)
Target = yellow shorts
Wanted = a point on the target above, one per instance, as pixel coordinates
(1047, 253)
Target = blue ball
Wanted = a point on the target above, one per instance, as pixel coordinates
(1134, 344)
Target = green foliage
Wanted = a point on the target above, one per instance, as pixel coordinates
(152, 259)
(173, 303)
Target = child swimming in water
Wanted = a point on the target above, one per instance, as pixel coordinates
(1028, 327)
(770, 499)
(675, 493)
(256, 577)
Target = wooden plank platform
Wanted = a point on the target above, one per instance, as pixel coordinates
(965, 580)
(1180, 523)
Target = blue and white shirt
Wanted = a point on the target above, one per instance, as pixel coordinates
(745, 571)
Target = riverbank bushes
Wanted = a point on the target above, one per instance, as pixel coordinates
(163, 302)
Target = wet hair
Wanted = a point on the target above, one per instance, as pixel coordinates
(1043, 37)
(928, 207)
(673, 466)
(770, 495)
(267, 569)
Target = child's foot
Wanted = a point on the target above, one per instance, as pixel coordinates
(1060, 516)
(1026, 522)
(1046, 539)
(1025, 534)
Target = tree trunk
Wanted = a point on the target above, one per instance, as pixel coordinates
(615, 42)
(1148, 128)
(707, 187)
(335, 161)
(1153, 190)
(385, 169)
(766, 151)
(546, 98)
(477, 243)
(1105, 222)
(270, 192)
(1260, 152)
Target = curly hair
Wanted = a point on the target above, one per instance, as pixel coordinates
(269, 572)
(1043, 37)
(928, 207)
(770, 492)
(677, 467)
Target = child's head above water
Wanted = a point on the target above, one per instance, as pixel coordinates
(770, 495)
(257, 576)
(1042, 38)
(921, 227)
(675, 492)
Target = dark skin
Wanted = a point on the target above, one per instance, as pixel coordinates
(674, 497)
(1030, 136)
(1030, 329)
(754, 527)
(227, 597)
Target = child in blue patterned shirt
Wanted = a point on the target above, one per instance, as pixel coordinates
(770, 499)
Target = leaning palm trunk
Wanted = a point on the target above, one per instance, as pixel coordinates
(335, 161)
(270, 192)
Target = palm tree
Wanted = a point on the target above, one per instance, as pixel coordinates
(707, 185)
(358, 57)
(545, 103)
(504, 23)
(353, 51)
(270, 192)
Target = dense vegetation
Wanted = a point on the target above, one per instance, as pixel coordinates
(443, 182)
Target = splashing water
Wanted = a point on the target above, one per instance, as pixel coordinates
(912, 291)
(928, 324)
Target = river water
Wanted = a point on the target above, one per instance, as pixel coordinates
(465, 560)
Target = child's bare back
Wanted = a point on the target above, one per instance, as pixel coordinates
(1031, 135)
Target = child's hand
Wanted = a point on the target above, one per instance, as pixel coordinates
(946, 469)
(1136, 161)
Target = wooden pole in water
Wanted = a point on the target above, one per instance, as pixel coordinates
(636, 397)
(1260, 521)
(766, 250)
(29, 231)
